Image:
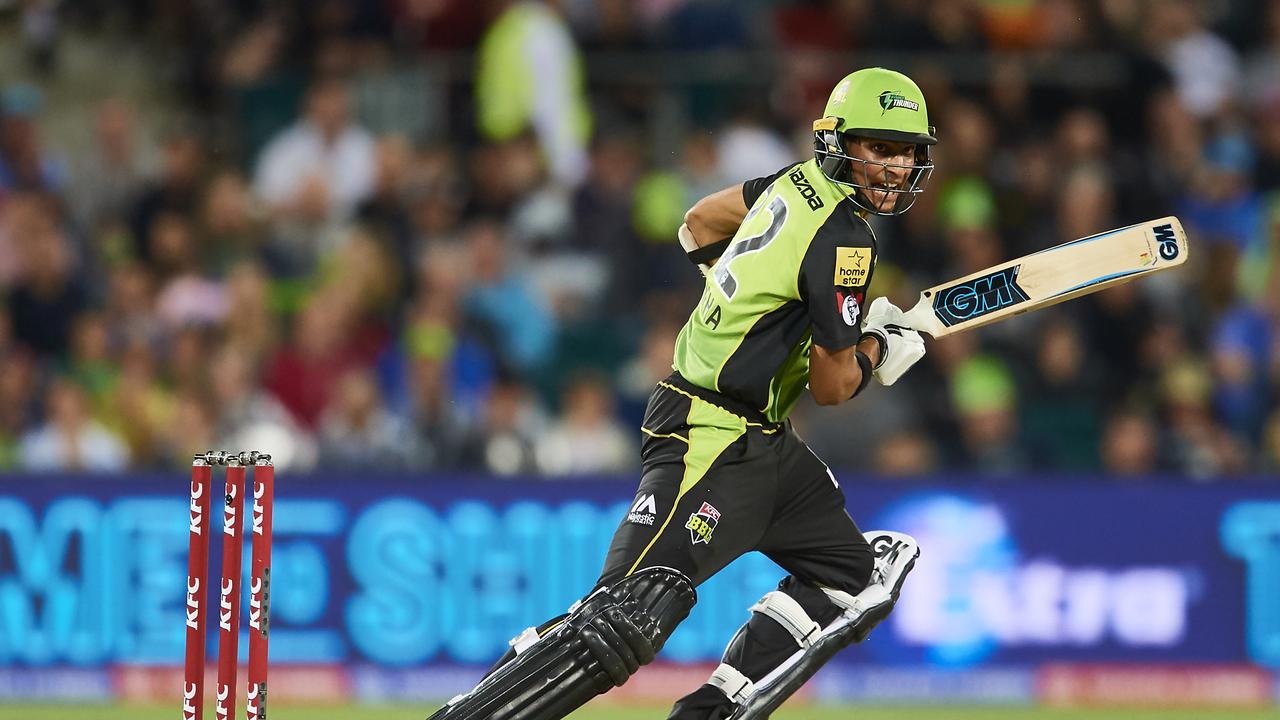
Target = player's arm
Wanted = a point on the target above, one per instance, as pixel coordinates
(712, 222)
(717, 216)
(837, 375)
(850, 343)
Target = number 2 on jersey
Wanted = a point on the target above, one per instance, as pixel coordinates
(722, 273)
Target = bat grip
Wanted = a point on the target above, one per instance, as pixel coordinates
(920, 317)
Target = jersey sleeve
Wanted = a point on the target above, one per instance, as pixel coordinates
(834, 276)
(753, 189)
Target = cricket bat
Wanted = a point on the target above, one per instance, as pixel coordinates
(1050, 276)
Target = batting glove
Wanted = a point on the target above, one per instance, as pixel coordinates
(900, 346)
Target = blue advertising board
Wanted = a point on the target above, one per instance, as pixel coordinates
(410, 571)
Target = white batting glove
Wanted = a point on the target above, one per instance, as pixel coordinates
(901, 347)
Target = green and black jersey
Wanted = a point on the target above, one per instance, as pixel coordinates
(795, 274)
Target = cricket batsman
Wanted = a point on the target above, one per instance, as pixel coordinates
(788, 259)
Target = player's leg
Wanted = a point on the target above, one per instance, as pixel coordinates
(855, 616)
(596, 647)
(692, 515)
(842, 584)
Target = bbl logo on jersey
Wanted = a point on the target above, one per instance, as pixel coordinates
(702, 523)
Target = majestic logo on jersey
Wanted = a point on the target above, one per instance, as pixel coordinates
(979, 296)
(702, 524)
(890, 99)
(850, 308)
(853, 266)
(643, 511)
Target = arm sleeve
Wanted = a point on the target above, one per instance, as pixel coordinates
(753, 189)
(834, 276)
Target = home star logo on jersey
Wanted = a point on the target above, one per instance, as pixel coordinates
(890, 99)
(643, 511)
(853, 266)
(702, 523)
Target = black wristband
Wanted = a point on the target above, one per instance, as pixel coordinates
(880, 343)
(708, 253)
(864, 364)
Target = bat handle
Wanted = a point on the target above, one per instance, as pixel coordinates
(921, 318)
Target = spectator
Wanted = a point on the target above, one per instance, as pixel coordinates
(501, 304)
(25, 163)
(250, 326)
(1129, 445)
(984, 396)
(130, 304)
(47, 296)
(92, 366)
(1205, 68)
(18, 400)
(248, 416)
(588, 439)
(636, 379)
(113, 171)
(190, 431)
(186, 295)
(357, 432)
(385, 214)
(905, 454)
(141, 408)
(232, 224)
(186, 364)
(1196, 445)
(440, 426)
(1061, 412)
(1270, 461)
(321, 168)
(529, 78)
(512, 428)
(436, 201)
(747, 149)
(303, 373)
(176, 190)
(1243, 350)
(70, 439)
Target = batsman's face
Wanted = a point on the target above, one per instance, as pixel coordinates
(885, 171)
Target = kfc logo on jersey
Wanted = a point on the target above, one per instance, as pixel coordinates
(850, 308)
(702, 523)
(643, 511)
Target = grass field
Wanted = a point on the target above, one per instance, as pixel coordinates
(609, 712)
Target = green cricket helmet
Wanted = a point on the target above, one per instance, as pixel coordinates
(879, 104)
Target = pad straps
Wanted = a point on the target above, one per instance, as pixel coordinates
(784, 610)
(735, 686)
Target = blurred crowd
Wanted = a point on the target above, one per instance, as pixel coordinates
(439, 235)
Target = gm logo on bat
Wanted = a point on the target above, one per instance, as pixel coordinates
(980, 296)
(1167, 241)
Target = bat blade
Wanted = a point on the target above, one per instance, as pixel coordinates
(1050, 276)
